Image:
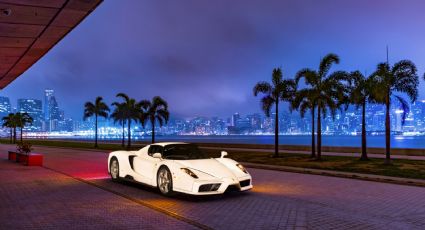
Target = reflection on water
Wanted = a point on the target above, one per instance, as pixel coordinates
(354, 141)
(372, 141)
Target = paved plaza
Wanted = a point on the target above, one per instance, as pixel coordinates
(73, 191)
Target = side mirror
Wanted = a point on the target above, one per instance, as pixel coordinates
(223, 154)
(157, 155)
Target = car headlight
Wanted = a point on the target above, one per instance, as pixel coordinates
(242, 168)
(189, 172)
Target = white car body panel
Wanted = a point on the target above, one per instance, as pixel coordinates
(209, 171)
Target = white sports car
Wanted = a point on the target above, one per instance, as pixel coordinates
(179, 167)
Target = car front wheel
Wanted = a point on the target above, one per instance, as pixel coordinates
(165, 181)
(114, 169)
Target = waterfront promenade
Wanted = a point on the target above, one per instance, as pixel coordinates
(347, 154)
(73, 191)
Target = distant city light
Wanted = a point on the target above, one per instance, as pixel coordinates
(50, 121)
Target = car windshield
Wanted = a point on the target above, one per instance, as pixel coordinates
(183, 152)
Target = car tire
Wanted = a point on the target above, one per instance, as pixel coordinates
(114, 169)
(164, 181)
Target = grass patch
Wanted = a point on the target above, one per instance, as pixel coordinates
(400, 167)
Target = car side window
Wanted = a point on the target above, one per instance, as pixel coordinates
(154, 149)
(151, 150)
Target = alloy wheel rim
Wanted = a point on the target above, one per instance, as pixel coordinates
(164, 181)
(114, 169)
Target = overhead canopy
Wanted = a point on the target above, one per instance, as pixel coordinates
(30, 28)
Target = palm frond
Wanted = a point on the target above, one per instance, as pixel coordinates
(98, 108)
(158, 102)
(262, 87)
(145, 104)
(98, 100)
(163, 114)
(277, 76)
(310, 76)
(143, 119)
(89, 106)
(300, 96)
(103, 114)
(266, 104)
(382, 74)
(326, 64)
(403, 106)
(406, 79)
(340, 76)
(305, 105)
(123, 96)
(287, 90)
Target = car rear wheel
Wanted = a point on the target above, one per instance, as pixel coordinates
(114, 169)
(165, 181)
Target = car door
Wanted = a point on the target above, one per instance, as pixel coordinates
(145, 164)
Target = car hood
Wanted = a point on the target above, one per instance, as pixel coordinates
(208, 166)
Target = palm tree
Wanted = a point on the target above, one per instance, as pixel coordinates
(96, 109)
(303, 101)
(326, 89)
(155, 110)
(118, 115)
(131, 111)
(402, 78)
(279, 90)
(10, 122)
(360, 95)
(22, 119)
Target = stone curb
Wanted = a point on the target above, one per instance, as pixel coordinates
(358, 176)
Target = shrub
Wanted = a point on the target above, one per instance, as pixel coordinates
(24, 147)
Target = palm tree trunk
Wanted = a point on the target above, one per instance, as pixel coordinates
(14, 135)
(123, 134)
(364, 153)
(387, 131)
(95, 132)
(319, 134)
(276, 130)
(11, 135)
(21, 132)
(313, 141)
(153, 131)
(129, 133)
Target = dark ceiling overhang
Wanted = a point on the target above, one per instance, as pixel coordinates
(30, 28)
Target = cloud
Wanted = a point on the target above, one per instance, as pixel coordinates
(205, 56)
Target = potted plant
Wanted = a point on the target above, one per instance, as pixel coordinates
(24, 149)
(12, 155)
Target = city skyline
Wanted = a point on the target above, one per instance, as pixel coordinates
(51, 118)
(208, 66)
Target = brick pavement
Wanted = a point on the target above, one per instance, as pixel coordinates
(38, 198)
(279, 200)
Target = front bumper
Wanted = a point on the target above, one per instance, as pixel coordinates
(226, 184)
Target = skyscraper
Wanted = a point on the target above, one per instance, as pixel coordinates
(52, 114)
(235, 119)
(48, 94)
(55, 115)
(5, 107)
(34, 108)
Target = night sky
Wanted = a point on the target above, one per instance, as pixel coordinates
(204, 57)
